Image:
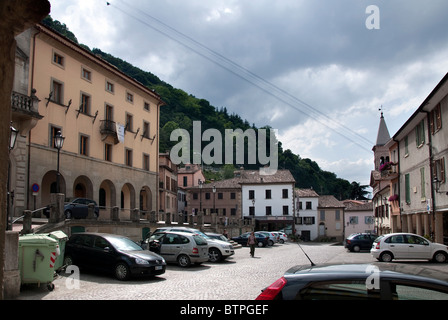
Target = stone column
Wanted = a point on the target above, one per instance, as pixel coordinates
(152, 217)
(200, 220)
(15, 17)
(167, 218)
(410, 224)
(115, 214)
(135, 215)
(27, 222)
(56, 208)
(91, 212)
(12, 272)
(418, 224)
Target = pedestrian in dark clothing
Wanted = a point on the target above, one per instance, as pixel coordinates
(251, 241)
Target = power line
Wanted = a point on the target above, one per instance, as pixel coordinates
(246, 75)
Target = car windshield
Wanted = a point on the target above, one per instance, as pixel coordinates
(199, 240)
(202, 234)
(222, 237)
(156, 236)
(124, 244)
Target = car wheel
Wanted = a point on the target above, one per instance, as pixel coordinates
(68, 214)
(282, 241)
(356, 248)
(183, 261)
(440, 257)
(260, 244)
(214, 255)
(122, 271)
(386, 257)
(270, 243)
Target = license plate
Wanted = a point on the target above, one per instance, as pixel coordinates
(159, 267)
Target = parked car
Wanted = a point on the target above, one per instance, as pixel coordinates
(218, 249)
(262, 240)
(112, 253)
(385, 281)
(407, 246)
(272, 237)
(182, 248)
(282, 237)
(77, 208)
(217, 236)
(360, 241)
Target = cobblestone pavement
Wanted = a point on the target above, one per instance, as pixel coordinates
(238, 278)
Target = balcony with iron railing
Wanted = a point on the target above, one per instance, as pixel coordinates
(25, 107)
(108, 128)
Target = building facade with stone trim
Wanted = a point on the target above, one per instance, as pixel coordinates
(109, 120)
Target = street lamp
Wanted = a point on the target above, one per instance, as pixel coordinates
(58, 143)
(200, 196)
(10, 195)
(12, 137)
(214, 192)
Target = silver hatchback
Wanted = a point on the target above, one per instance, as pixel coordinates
(179, 247)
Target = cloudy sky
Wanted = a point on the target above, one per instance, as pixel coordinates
(316, 70)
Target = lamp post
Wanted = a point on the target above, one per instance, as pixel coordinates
(10, 195)
(214, 192)
(12, 137)
(58, 143)
(200, 196)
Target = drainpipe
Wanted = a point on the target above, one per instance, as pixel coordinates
(159, 104)
(431, 174)
(399, 184)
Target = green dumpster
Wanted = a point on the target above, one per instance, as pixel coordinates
(62, 238)
(37, 255)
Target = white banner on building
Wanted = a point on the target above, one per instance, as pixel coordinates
(120, 132)
(429, 205)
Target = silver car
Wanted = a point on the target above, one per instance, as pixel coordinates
(407, 246)
(180, 247)
(218, 250)
(272, 238)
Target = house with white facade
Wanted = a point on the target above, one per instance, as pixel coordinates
(269, 199)
(423, 150)
(307, 201)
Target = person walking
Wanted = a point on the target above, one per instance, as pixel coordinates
(251, 241)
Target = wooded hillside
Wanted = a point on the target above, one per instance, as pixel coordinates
(183, 108)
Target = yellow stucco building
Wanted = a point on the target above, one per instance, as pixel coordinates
(110, 123)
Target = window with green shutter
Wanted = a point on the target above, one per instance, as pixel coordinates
(422, 183)
(420, 134)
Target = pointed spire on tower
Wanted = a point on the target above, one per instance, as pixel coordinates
(383, 133)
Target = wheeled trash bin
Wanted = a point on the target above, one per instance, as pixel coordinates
(62, 238)
(37, 257)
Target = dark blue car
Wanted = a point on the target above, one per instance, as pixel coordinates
(262, 241)
(360, 241)
(79, 208)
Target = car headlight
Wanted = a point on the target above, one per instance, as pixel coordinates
(225, 246)
(141, 261)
